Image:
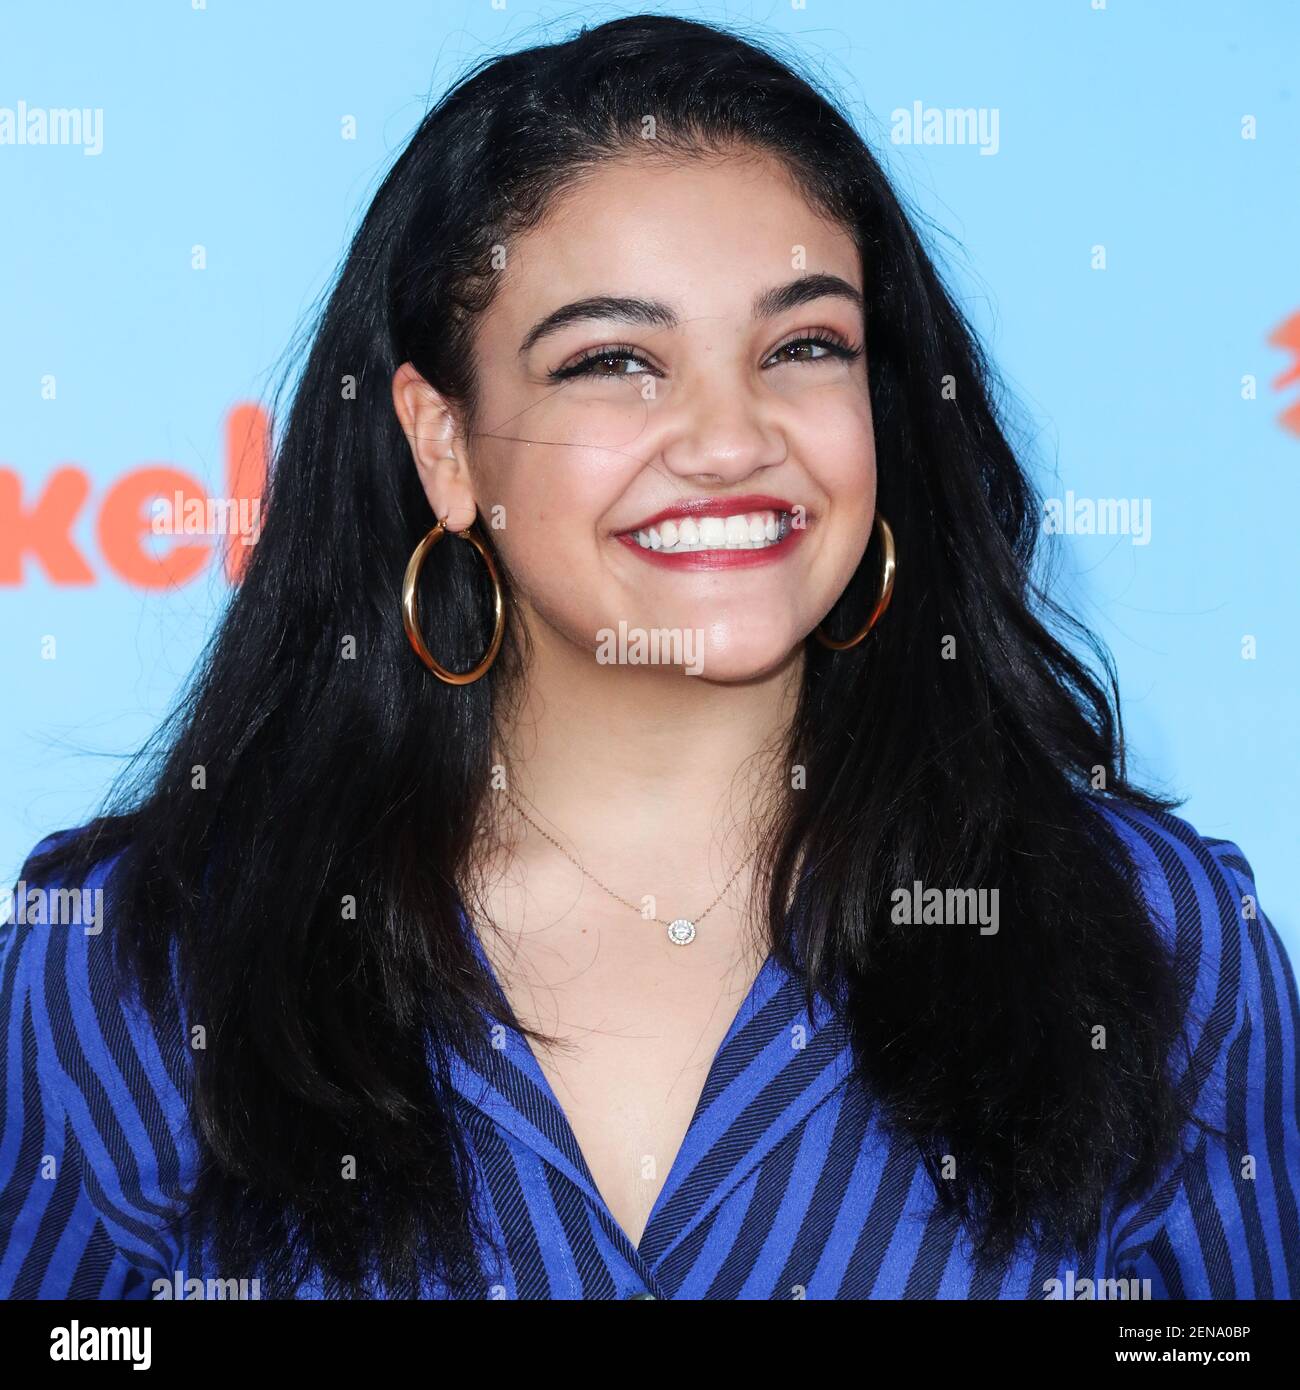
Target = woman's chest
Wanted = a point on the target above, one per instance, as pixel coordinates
(797, 1194)
(637, 1024)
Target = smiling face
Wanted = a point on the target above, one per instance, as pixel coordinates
(673, 413)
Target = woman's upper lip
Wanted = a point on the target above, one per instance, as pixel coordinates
(714, 506)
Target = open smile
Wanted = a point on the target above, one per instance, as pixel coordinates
(716, 533)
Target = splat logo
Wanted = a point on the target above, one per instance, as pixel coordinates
(1287, 337)
(132, 543)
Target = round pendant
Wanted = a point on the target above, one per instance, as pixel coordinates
(681, 932)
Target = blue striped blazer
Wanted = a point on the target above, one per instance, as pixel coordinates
(786, 1185)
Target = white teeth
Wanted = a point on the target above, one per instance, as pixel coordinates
(713, 531)
(744, 531)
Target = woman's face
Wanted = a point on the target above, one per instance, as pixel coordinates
(662, 445)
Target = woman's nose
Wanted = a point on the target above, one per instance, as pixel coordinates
(720, 433)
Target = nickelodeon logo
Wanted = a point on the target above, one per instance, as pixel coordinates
(39, 530)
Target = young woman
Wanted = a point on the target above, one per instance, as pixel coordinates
(635, 833)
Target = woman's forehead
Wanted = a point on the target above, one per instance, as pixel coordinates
(702, 235)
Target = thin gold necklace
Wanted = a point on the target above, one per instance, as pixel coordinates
(681, 930)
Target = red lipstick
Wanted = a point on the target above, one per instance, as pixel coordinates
(709, 559)
(713, 506)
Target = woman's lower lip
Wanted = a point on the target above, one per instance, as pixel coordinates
(718, 559)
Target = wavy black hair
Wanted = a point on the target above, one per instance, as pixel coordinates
(963, 745)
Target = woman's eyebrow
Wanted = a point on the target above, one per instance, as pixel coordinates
(653, 313)
(648, 313)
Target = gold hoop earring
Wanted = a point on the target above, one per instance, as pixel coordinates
(888, 566)
(410, 614)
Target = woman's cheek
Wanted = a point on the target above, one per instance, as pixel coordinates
(840, 448)
(607, 415)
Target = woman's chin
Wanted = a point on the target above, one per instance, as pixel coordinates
(734, 661)
(715, 647)
(718, 651)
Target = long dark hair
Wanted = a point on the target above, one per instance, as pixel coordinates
(963, 745)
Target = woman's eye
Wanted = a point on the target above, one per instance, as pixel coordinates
(814, 350)
(608, 362)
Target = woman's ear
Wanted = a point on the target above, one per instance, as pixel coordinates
(437, 446)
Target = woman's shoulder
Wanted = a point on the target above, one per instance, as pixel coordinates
(1204, 902)
(95, 1087)
(1222, 1222)
(60, 958)
(56, 932)
(1200, 889)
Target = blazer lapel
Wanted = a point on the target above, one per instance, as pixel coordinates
(775, 1066)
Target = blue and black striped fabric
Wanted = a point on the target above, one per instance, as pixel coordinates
(786, 1185)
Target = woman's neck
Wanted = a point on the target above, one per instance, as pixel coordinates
(641, 767)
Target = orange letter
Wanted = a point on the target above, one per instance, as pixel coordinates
(121, 524)
(245, 476)
(45, 530)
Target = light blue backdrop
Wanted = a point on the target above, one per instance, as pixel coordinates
(1118, 127)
